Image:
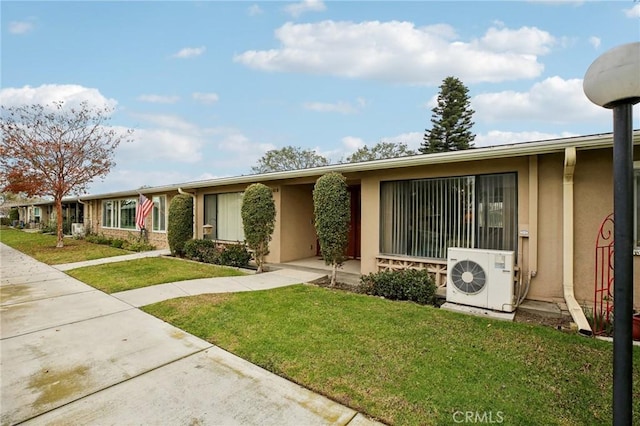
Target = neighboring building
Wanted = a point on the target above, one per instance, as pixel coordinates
(544, 200)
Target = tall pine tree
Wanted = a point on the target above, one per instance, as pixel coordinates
(451, 120)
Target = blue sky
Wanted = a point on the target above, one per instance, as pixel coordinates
(210, 86)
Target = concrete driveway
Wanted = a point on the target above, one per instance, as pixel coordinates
(71, 354)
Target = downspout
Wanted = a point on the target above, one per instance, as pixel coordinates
(180, 191)
(567, 244)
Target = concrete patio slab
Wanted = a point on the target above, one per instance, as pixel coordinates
(50, 368)
(22, 318)
(213, 387)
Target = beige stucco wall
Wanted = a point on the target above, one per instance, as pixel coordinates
(547, 284)
(297, 232)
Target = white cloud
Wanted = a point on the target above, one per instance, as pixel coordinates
(165, 144)
(205, 98)
(297, 9)
(47, 94)
(413, 140)
(633, 12)
(595, 41)
(341, 107)
(497, 137)
(553, 100)
(159, 99)
(403, 53)
(20, 27)
(352, 143)
(190, 52)
(525, 40)
(254, 10)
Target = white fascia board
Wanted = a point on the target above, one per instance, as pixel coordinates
(475, 154)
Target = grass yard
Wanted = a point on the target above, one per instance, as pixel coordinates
(121, 276)
(409, 364)
(43, 247)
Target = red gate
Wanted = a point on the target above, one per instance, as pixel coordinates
(603, 300)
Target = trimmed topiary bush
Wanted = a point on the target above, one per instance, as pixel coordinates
(408, 284)
(180, 225)
(332, 209)
(258, 219)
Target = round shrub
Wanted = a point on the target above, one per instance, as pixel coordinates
(407, 284)
(180, 226)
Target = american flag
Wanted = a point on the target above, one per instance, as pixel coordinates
(144, 208)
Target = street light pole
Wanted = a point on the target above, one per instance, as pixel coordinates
(613, 81)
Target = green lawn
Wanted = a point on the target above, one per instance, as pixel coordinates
(409, 364)
(43, 247)
(121, 276)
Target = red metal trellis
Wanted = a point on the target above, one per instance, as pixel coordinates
(603, 299)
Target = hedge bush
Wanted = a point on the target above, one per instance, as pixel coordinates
(408, 284)
(132, 243)
(180, 226)
(235, 255)
(209, 251)
(201, 251)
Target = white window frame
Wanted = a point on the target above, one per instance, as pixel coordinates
(159, 208)
(115, 217)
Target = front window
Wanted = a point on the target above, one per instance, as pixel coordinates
(108, 214)
(128, 214)
(119, 214)
(160, 213)
(223, 212)
(424, 217)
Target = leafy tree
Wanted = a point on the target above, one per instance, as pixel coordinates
(451, 120)
(180, 226)
(332, 211)
(55, 151)
(380, 151)
(258, 219)
(289, 158)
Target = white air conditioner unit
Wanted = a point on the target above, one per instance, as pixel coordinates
(77, 229)
(481, 278)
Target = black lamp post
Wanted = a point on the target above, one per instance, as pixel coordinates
(613, 81)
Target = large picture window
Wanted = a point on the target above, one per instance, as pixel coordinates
(222, 211)
(119, 214)
(424, 217)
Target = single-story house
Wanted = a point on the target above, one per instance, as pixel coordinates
(543, 200)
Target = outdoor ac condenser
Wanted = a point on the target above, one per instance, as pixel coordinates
(481, 278)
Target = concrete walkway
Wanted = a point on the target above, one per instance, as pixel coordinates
(71, 354)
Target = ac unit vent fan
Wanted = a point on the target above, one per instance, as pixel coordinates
(468, 277)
